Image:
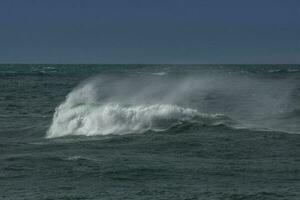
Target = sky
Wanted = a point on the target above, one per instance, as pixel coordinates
(150, 31)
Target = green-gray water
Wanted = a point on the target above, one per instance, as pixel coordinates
(150, 132)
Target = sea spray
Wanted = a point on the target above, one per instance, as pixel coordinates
(107, 119)
(116, 104)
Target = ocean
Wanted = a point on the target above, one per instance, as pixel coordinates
(150, 132)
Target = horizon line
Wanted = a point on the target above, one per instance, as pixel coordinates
(149, 63)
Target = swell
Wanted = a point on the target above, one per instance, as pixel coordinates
(91, 120)
(130, 103)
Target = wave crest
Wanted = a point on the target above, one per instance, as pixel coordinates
(116, 105)
(91, 119)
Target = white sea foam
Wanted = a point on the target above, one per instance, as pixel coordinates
(118, 104)
(107, 119)
(87, 111)
(159, 73)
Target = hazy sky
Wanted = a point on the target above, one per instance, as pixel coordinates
(150, 31)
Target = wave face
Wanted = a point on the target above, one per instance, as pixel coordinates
(136, 103)
(107, 119)
(103, 106)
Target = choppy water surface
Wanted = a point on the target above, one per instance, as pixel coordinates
(150, 132)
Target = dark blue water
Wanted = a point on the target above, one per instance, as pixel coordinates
(150, 132)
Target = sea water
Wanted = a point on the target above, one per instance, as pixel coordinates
(150, 132)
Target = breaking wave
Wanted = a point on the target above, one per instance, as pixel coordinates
(122, 104)
(90, 120)
(114, 106)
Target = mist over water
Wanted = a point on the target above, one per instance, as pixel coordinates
(136, 103)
